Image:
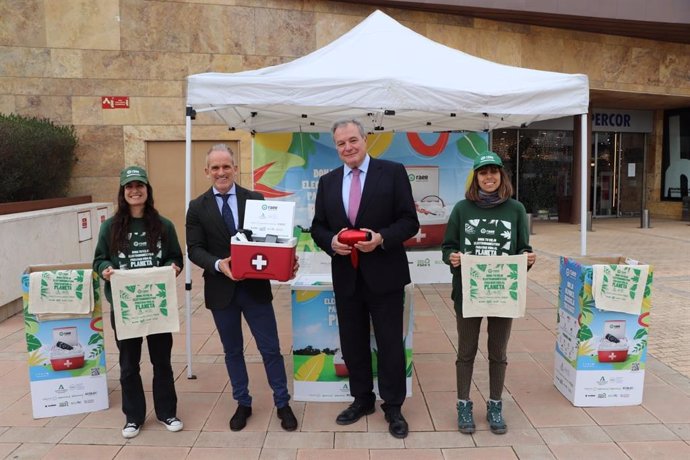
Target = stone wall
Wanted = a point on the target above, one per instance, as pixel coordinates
(58, 57)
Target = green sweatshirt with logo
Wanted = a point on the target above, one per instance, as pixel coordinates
(501, 230)
(139, 254)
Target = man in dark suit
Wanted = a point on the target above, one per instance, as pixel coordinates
(212, 219)
(372, 195)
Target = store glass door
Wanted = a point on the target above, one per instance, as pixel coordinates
(617, 174)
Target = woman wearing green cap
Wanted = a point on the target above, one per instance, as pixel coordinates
(138, 237)
(487, 222)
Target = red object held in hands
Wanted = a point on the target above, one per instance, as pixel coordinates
(351, 237)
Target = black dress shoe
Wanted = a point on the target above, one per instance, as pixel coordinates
(397, 425)
(287, 418)
(239, 420)
(354, 413)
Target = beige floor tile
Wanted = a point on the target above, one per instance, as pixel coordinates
(77, 452)
(20, 413)
(298, 440)
(479, 453)
(193, 409)
(632, 415)
(550, 409)
(436, 376)
(532, 341)
(320, 416)
(648, 432)
(437, 439)
(243, 439)
(104, 436)
(656, 450)
(574, 435)
(367, 441)
(30, 450)
(442, 409)
(432, 342)
(7, 448)
(514, 437)
(682, 430)
(592, 451)
(278, 454)
(208, 453)
(533, 452)
(209, 378)
(340, 454)
(34, 434)
(152, 453)
(149, 437)
(669, 406)
(406, 454)
(262, 411)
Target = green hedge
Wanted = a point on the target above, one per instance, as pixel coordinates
(36, 158)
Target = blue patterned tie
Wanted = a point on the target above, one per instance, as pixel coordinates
(227, 213)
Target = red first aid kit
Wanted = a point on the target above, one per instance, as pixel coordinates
(265, 249)
(264, 261)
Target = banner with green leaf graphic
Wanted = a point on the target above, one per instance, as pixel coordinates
(66, 352)
(145, 302)
(494, 286)
(320, 373)
(287, 166)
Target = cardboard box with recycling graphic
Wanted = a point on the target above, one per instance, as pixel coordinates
(601, 353)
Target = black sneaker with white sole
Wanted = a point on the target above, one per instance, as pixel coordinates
(172, 423)
(130, 430)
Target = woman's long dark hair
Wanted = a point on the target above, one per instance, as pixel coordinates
(122, 220)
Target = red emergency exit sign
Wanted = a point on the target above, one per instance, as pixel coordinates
(115, 102)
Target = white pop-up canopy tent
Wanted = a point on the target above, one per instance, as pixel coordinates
(392, 79)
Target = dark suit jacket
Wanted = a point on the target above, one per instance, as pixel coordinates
(387, 207)
(208, 240)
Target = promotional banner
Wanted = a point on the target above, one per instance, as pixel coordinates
(320, 373)
(66, 353)
(287, 166)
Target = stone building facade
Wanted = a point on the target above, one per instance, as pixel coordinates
(58, 58)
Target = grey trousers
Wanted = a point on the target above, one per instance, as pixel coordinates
(497, 345)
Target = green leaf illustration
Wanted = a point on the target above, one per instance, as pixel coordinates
(95, 338)
(513, 295)
(640, 333)
(131, 288)
(32, 342)
(585, 333)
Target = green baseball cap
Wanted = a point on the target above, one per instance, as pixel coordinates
(487, 158)
(132, 173)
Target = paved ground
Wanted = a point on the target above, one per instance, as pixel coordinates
(543, 424)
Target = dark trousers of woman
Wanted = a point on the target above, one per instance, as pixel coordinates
(133, 399)
(497, 345)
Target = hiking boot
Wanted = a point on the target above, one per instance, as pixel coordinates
(465, 419)
(494, 415)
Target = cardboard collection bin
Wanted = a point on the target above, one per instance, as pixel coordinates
(66, 352)
(600, 355)
(267, 261)
(319, 370)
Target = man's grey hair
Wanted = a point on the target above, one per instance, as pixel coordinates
(221, 148)
(349, 121)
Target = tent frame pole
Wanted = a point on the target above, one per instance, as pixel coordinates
(584, 159)
(189, 115)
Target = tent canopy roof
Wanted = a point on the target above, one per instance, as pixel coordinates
(392, 79)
